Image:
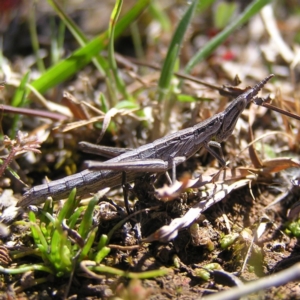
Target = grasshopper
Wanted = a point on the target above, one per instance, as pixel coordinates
(159, 156)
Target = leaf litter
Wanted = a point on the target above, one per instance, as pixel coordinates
(245, 206)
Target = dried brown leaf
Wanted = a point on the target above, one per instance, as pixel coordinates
(74, 125)
(209, 197)
(279, 164)
(167, 193)
(75, 106)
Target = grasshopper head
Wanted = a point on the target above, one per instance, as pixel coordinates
(235, 109)
(230, 117)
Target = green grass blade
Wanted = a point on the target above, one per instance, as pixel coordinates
(111, 52)
(21, 92)
(204, 5)
(142, 275)
(69, 207)
(47, 209)
(19, 100)
(137, 40)
(57, 40)
(167, 72)
(69, 66)
(60, 254)
(34, 231)
(37, 234)
(224, 13)
(75, 216)
(84, 55)
(103, 241)
(252, 9)
(160, 15)
(101, 254)
(173, 51)
(10, 170)
(24, 269)
(98, 61)
(34, 38)
(88, 244)
(87, 220)
(76, 32)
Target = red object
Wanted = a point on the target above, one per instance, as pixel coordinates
(228, 55)
(6, 5)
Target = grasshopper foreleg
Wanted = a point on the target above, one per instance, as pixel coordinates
(176, 161)
(126, 187)
(219, 156)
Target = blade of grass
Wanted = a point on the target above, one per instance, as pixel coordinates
(21, 92)
(101, 254)
(59, 253)
(47, 209)
(38, 237)
(84, 55)
(87, 220)
(103, 241)
(137, 40)
(24, 269)
(57, 40)
(167, 72)
(223, 14)
(74, 218)
(111, 52)
(76, 32)
(34, 38)
(98, 61)
(88, 244)
(252, 9)
(173, 51)
(19, 100)
(101, 64)
(159, 15)
(204, 4)
(69, 206)
(90, 266)
(9, 169)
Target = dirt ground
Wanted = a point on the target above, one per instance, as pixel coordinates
(245, 235)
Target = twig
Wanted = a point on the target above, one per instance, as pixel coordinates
(280, 278)
(284, 112)
(32, 112)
